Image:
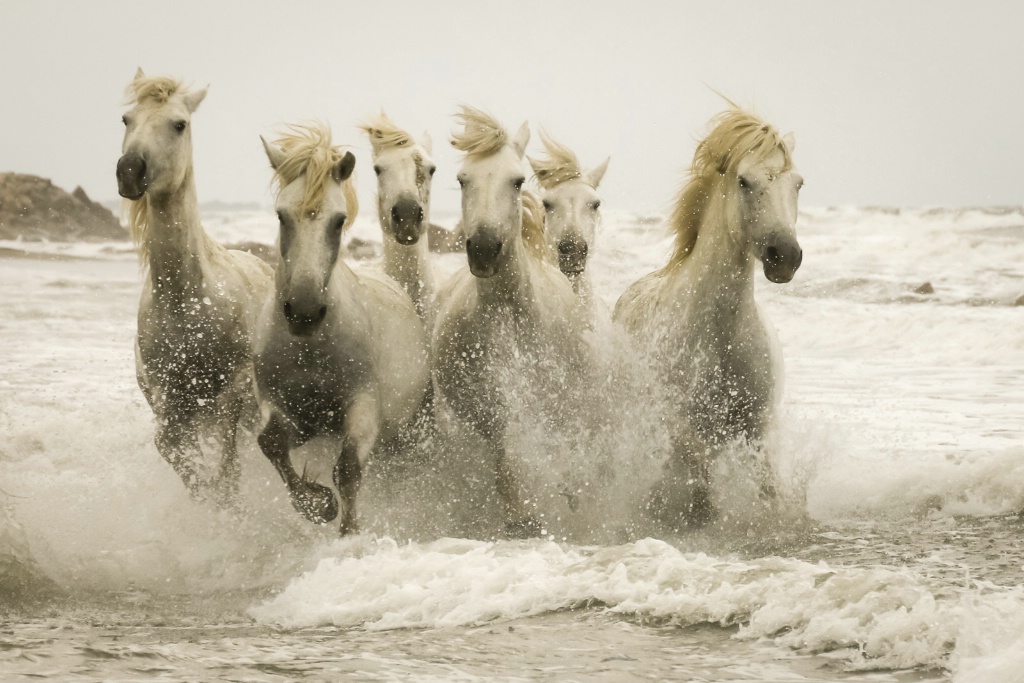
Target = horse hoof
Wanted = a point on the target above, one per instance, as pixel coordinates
(523, 529)
(316, 503)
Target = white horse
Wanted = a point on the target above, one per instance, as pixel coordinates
(697, 316)
(571, 211)
(199, 301)
(404, 171)
(510, 320)
(337, 354)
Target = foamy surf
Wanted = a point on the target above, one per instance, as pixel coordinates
(874, 618)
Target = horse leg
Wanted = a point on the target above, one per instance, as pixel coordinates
(684, 492)
(314, 501)
(176, 440)
(230, 472)
(518, 522)
(362, 422)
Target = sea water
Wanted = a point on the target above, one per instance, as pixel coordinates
(894, 551)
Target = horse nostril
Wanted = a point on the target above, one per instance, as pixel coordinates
(288, 310)
(322, 312)
(773, 254)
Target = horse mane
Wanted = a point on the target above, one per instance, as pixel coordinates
(481, 133)
(736, 135)
(384, 134)
(559, 166)
(309, 151)
(533, 227)
(152, 90)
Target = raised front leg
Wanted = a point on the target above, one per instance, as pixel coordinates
(362, 423)
(314, 501)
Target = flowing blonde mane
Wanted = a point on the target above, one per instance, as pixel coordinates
(384, 134)
(308, 151)
(533, 227)
(736, 135)
(481, 134)
(155, 90)
(559, 166)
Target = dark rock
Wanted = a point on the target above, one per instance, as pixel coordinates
(32, 208)
(1019, 301)
(444, 241)
(924, 288)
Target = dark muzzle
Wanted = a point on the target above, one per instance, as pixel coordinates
(781, 257)
(406, 220)
(572, 256)
(484, 252)
(131, 176)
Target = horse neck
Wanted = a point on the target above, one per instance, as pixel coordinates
(720, 270)
(177, 245)
(405, 263)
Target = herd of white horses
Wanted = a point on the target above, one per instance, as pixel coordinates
(366, 356)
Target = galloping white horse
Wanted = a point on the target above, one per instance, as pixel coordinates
(404, 171)
(697, 315)
(571, 210)
(199, 302)
(510, 320)
(337, 354)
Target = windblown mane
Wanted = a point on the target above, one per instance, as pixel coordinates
(736, 135)
(309, 152)
(384, 134)
(559, 166)
(533, 227)
(481, 133)
(153, 90)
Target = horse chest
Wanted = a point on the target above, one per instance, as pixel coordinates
(312, 382)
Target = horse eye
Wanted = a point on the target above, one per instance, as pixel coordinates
(799, 185)
(124, 120)
(595, 205)
(431, 170)
(518, 183)
(744, 183)
(462, 182)
(180, 126)
(548, 206)
(338, 222)
(377, 170)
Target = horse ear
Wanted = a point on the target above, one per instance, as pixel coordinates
(790, 141)
(521, 139)
(595, 174)
(343, 169)
(427, 142)
(193, 99)
(274, 153)
(138, 74)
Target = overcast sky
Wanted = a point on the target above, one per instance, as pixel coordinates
(892, 103)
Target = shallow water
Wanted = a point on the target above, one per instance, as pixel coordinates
(895, 553)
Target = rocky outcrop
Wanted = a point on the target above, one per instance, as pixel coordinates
(33, 208)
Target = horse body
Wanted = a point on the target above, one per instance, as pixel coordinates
(510, 322)
(338, 354)
(571, 212)
(199, 302)
(404, 171)
(698, 318)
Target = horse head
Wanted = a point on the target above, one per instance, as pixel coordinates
(768, 193)
(404, 171)
(571, 204)
(156, 155)
(491, 178)
(315, 202)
